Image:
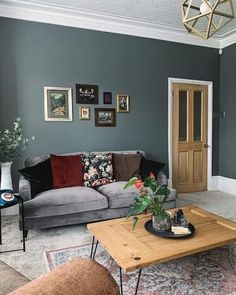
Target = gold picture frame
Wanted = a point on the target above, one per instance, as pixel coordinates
(84, 113)
(122, 103)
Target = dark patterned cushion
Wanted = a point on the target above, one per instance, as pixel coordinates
(98, 169)
(126, 166)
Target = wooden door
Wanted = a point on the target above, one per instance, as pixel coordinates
(189, 137)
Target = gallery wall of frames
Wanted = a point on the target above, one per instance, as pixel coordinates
(58, 104)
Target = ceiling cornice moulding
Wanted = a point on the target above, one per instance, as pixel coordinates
(94, 21)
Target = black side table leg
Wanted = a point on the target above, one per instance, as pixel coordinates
(23, 223)
(0, 227)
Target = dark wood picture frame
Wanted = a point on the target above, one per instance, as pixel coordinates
(107, 97)
(105, 117)
(86, 94)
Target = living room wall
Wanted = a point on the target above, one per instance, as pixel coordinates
(34, 55)
(228, 105)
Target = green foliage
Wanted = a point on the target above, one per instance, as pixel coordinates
(151, 199)
(12, 142)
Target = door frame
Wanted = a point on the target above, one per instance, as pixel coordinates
(209, 85)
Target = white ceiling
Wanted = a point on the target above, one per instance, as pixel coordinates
(151, 14)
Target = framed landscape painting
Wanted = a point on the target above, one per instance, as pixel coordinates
(86, 94)
(105, 117)
(57, 104)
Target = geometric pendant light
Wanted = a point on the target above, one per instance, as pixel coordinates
(206, 17)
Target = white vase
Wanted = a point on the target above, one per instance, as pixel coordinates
(6, 180)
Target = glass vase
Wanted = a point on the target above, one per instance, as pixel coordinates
(161, 222)
(6, 180)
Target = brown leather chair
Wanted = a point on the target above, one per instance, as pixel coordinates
(76, 277)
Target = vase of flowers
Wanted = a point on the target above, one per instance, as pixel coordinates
(151, 199)
(12, 144)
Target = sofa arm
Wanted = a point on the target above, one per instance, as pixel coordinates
(24, 188)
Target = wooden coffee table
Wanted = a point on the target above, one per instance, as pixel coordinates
(136, 249)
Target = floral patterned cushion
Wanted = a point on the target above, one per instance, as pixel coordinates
(98, 169)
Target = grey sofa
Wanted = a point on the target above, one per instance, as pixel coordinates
(74, 205)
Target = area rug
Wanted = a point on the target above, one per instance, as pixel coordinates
(207, 273)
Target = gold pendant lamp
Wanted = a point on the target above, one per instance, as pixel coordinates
(206, 17)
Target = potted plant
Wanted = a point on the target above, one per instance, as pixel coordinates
(151, 199)
(12, 144)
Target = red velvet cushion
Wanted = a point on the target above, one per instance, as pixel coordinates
(67, 171)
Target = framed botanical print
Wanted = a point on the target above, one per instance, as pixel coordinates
(57, 104)
(107, 97)
(105, 117)
(122, 105)
(86, 94)
(84, 113)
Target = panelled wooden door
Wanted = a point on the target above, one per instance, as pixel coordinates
(189, 137)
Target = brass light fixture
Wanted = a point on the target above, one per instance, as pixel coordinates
(206, 17)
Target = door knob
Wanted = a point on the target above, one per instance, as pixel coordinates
(206, 146)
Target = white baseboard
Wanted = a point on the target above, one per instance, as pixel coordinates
(213, 183)
(220, 183)
(227, 185)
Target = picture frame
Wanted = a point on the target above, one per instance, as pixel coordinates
(84, 113)
(122, 103)
(105, 117)
(57, 103)
(107, 97)
(86, 94)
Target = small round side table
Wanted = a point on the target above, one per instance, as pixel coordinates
(6, 204)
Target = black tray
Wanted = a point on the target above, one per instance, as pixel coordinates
(168, 234)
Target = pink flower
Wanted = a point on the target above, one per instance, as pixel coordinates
(138, 183)
(152, 175)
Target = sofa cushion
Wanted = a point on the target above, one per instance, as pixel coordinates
(118, 197)
(67, 171)
(39, 176)
(65, 201)
(98, 169)
(126, 166)
(148, 166)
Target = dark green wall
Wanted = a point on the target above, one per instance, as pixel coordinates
(228, 105)
(34, 55)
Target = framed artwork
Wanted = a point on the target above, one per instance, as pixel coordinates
(57, 104)
(84, 113)
(105, 117)
(86, 94)
(107, 97)
(122, 103)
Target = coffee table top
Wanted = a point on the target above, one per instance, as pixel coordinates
(137, 249)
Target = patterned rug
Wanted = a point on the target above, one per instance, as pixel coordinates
(207, 273)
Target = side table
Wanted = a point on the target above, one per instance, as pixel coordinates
(6, 204)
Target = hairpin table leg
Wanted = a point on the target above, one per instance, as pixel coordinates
(121, 283)
(95, 249)
(139, 275)
(91, 253)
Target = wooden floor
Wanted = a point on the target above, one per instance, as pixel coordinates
(137, 249)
